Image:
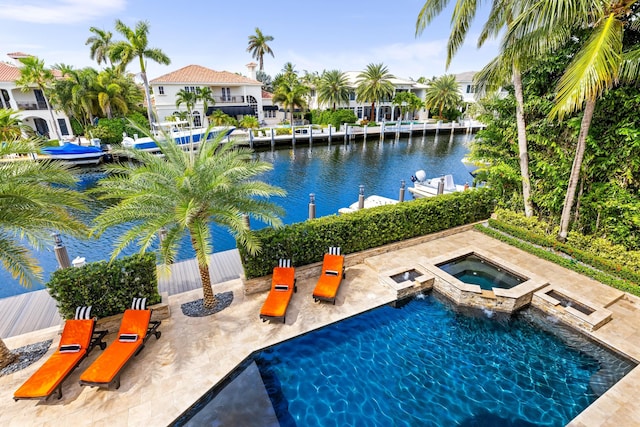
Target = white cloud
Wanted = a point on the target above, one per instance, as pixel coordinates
(58, 11)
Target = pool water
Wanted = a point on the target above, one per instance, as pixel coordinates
(475, 270)
(427, 364)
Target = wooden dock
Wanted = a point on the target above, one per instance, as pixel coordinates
(36, 310)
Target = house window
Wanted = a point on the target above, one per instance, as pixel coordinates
(42, 103)
(160, 90)
(197, 121)
(471, 89)
(226, 94)
(62, 123)
(270, 114)
(5, 101)
(359, 113)
(191, 89)
(352, 96)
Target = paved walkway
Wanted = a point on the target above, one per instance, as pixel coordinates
(194, 354)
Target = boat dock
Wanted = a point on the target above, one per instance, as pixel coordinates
(37, 310)
(307, 134)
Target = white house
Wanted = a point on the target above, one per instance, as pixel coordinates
(234, 94)
(386, 110)
(31, 105)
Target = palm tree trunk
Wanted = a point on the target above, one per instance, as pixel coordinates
(53, 120)
(522, 142)
(6, 356)
(143, 74)
(575, 169)
(207, 290)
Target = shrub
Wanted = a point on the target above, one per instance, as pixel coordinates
(108, 287)
(138, 119)
(306, 242)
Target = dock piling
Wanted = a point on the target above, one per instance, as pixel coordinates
(361, 197)
(312, 205)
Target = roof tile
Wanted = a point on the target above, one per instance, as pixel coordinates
(203, 75)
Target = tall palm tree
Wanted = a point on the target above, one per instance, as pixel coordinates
(206, 96)
(373, 85)
(184, 194)
(258, 46)
(33, 73)
(443, 93)
(100, 45)
(34, 201)
(407, 101)
(501, 15)
(597, 67)
(136, 46)
(110, 94)
(189, 99)
(290, 93)
(333, 88)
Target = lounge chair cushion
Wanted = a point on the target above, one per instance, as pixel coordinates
(278, 300)
(107, 366)
(329, 281)
(45, 380)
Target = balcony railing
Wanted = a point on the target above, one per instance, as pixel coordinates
(229, 99)
(31, 106)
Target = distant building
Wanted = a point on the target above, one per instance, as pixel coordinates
(31, 105)
(234, 94)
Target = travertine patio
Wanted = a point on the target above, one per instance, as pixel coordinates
(194, 354)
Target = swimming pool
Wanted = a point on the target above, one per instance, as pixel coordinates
(476, 270)
(428, 364)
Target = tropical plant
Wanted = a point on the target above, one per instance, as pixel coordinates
(258, 47)
(206, 96)
(373, 85)
(333, 88)
(407, 101)
(33, 73)
(100, 45)
(219, 118)
(289, 91)
(265, 79)
(136, 46)
(11, 126)
(443, 93)
(184, 194)
(35, 199)
(189, 99)
(249, 122)
(110, 94)
(597, 67)
(74, 93)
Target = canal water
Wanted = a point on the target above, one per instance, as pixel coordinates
(333, 172)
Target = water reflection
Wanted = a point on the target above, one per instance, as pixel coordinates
(332, 171)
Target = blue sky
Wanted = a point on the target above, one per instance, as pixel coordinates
(314, 36)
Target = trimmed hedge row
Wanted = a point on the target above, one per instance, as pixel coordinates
(307, 242)
(592, 259)
(108, 287)
(568, 263)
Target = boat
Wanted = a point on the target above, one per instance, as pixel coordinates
(75, 154)
(423, 187)
(184, 137)
(369, 202)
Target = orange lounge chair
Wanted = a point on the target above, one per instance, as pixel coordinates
(135, 328)
(283, 285)
(331, 276)
(77, 340)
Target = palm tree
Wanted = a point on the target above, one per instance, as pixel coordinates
(501, 14)
(100, 45)
(443, 93)
(189, 99)
(11, 126)
(333, 88)
(33, 73)
(185, 194)
(110, 94)
(34, 201)
(290, 93)
(206, 96)
(136, 46)
(373, 85)
(258, 46)
(407, 101)
(597, 67)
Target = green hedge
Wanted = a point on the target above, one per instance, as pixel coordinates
(306, 242)
(109, 288)
(568, 263)
(595, 260)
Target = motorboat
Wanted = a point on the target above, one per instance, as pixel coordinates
(75, 154)
(369, 202)
(423, 187)
(186, 138)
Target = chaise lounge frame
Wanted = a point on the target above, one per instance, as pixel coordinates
(273, 293)
(334, 251)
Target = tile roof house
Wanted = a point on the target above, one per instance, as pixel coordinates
(32, 104)
(234, 94)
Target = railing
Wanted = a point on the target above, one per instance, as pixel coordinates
(229, 99)
(31, 106)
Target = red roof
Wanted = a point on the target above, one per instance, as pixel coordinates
(8, 72)
(203, 75)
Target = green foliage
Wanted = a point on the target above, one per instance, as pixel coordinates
(562, 261)
(249, 122)
(108, 287)
(283, 131)
(138, 119)
(597, 252)
(334, 118)
(108, 130)
(76, 126)
(306, 242)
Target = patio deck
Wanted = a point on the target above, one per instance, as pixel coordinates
(196, 353)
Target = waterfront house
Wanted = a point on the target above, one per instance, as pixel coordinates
(32, 104)
(234, 94)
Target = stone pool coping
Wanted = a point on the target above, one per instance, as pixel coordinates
(194, 354)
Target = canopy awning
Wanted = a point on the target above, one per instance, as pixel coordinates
(233, 110)
(270, 108)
